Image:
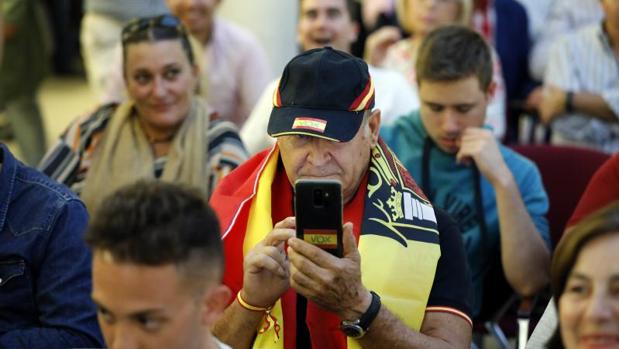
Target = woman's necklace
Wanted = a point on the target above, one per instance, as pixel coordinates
(153, 140)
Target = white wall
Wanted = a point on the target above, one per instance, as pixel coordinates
(273, 22)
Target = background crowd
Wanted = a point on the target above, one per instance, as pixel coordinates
(485, 103)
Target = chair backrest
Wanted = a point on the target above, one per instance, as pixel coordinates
(565, 173)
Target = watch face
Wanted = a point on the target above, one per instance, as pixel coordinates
(352, 331)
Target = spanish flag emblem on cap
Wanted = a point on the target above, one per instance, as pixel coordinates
(323, 93)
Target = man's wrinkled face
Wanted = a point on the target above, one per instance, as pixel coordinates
(326, 23)
(315, 158)
(449, 107)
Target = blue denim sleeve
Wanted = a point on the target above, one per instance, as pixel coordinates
(66, 313)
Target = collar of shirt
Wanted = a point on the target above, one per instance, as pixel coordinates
(8, 172)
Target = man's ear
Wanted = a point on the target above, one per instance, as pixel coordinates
(374, 125)
(214, 303)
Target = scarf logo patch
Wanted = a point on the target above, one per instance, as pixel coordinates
(395, 211)
(311, 124)
(403, 205)
(414, 208)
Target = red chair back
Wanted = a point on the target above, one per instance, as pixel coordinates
(565, 173)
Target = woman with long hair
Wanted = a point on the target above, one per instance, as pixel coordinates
(163, 131)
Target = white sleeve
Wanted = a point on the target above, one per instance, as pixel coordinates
(254, 131)
(254, 75)
(560, 71)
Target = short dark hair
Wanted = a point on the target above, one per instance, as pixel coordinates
(154, 223)
(153, 29)
(452, 53)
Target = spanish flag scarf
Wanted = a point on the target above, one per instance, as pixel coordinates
(398, 242)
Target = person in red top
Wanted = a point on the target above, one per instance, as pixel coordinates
(603, 188)
(403, 278)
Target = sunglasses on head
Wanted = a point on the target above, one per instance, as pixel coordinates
(140, 25)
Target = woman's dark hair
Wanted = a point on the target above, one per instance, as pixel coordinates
(151, 29)
(602, 222)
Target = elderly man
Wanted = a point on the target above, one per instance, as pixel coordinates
(330, 23)
(157, 268)
(496, 195)
(44, 263)
(411, 259)
(581, 85)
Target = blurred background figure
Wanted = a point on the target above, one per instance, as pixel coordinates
(563, 17)
(418, 18)
(585, 275)
(504, 24)
(236, 66)
(581, 85)
(100, 35)
(24, 65)
(164, 131)
(537, 13)
(376, 13)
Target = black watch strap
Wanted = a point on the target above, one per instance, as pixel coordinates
(366, 319)
(357, 328)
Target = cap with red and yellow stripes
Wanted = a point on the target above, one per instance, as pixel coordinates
(322, 93)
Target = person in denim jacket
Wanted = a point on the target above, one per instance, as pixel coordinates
(44, 263)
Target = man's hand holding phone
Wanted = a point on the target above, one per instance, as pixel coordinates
(331, 282)
(266, 267)
(323, 262)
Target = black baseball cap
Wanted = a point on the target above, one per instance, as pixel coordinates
(323, 93)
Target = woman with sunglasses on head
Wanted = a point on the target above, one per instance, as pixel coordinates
(585, 283)
(385, 48)
(164, 131)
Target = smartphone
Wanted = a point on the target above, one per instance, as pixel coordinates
(318, 212)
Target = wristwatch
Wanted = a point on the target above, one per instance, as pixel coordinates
(357, 328)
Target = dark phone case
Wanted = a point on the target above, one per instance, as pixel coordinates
(320, 225)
